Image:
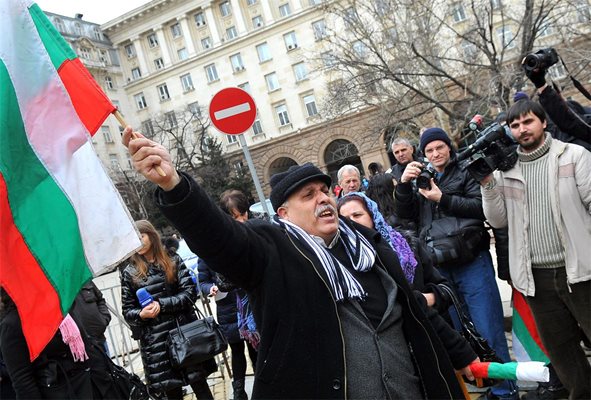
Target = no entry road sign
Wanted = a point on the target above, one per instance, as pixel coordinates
(232, 111)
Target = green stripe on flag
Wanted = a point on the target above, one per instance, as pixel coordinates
(528, 343)
(502, 371)
(58, 49)
(41, 211)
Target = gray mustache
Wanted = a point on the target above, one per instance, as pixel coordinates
(323, 208)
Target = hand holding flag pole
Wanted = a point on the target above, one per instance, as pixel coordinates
(122, 122)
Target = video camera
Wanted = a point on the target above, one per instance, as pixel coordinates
(541, 59)
(493, 149)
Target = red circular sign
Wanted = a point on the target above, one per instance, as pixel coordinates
(232, 111)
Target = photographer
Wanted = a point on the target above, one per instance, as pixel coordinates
(569, 125)
(451, 223)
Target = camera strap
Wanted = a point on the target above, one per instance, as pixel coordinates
(576, 83)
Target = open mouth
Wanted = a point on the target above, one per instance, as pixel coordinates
(325, 212)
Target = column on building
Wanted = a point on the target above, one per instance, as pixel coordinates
(212, 24)
(237, 10)
(187, 35)
(267, 13)
(163, 45)
(141, 58)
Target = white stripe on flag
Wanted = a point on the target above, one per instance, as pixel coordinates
(231, 111)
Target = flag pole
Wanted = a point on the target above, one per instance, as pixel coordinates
(122, 122)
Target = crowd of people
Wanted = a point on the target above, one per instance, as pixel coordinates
(348, 296)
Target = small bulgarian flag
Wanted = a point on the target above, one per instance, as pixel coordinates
(61, 219)
(527, 345)
(531, 371)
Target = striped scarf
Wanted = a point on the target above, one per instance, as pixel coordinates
(340, 281)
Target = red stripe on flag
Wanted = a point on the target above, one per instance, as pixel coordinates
(23, 279)
(479, 369)
(91, 103)
(522, 308)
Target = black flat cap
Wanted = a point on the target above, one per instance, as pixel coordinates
(285, 183)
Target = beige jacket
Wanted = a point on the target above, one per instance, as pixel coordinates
(569, 182)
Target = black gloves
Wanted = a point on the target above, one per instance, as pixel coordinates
(536, 76)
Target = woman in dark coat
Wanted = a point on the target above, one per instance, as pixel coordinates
(234, 203)
(173, 292)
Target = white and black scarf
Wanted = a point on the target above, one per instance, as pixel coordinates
(361, 254)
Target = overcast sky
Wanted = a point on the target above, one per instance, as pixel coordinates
(98, 11)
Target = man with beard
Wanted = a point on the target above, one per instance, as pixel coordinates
(336, 315)
(545, 200)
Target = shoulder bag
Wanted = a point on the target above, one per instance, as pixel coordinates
(468, 331)
(195, 342)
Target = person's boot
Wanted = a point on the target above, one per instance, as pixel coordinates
(239, 392)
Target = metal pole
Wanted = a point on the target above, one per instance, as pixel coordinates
(253, 172)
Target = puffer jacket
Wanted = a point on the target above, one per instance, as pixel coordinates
(569, 183)
(460, 198)
(176, 302)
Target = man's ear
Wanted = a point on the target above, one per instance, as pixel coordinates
(282, 212)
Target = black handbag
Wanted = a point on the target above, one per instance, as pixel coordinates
(195, 342)
(468, 331)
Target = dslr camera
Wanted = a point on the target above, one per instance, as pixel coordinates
(424, 178)
(541, 59)
(493, 149)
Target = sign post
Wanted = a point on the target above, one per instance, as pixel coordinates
(233, 111)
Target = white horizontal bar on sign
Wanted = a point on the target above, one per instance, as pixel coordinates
(231, 111)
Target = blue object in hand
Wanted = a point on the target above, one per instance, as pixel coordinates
(144, 297)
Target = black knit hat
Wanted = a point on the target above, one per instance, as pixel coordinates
(432, 134)
(285, 183)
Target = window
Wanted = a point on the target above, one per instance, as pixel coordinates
(458, 13)
(136, 73)
(496, 4)
(85, 52)
(152, 40)
(360, 49)
(310, 104)
(78, 29)
(183, 54)
(319, 28)
(546, 29)
(231, 33)
(195, 109)
(506, 37)
(211, 72)
(583, 11)
(257, 21)
(225, 9)
(282, 114)
(272, 81)
(163, 92)
(236, 61)
(148, 128)
(557, 71)
(328, 59)
(232, 138)
(96, 33)
(469, 51)
(114, 161)
(350, 16)
(390, 36)
(300, 71)
(106, 131)
(284, 10)
(140, 101)
(251, 2)
(117, 105)
(103, 56)
(176, 30)
(109, 82)
(382, 7)
(187, 83)
(291, 42)
(245, 86)
(314, 2)
(206, 43)
(130, 50)
(199, 19)
(239, 167)
(263, 52)
(170, 118)
(257, 128)
(59, 25)
(159, 63)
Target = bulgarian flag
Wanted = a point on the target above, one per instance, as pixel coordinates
(527, 345)
(61, 219)
(531, 371)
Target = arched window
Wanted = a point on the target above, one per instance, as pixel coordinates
(78, 29)
(59, 24)
(338, 153)
(280, 165)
